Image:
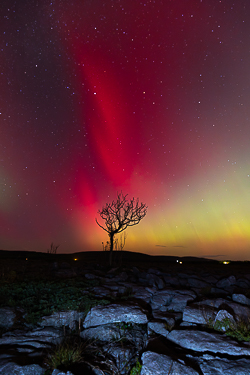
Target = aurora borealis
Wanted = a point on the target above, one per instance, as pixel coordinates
(148, 97)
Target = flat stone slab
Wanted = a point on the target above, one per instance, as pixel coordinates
(241, 298)
(219, 366)
(107, 332)
(143, 293)
(62, 318)
(58, 372)
(170, 299)
(158, 327)
(198, 314)
(37, 338)
(115, 313)
(159, 364)
(208, 342)
(14, 369)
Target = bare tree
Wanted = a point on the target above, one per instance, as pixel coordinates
(120, 214)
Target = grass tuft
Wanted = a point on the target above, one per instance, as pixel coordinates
(66, 354)
(136, 370)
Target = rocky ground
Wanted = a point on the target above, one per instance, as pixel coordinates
(162, 318)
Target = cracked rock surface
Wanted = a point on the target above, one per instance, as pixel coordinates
(166, 319)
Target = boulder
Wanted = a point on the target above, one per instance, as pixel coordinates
(143, 293)
(62, 318)
(180, 300)
(7, 317)
(122, 356)
(223, 321)
(155, 281)
(162, 298)
(201, 341)
(159, 364)
(195, 282)
(115, 313)
(242, 283)
(221, 366)
(232, 307)
(171, 300)
(14, 369)
(168, 318)
(158, 327)
(171, 280)
(37, 338)
(104, 333)
(241, 298)
(226, 282)
(199, 314)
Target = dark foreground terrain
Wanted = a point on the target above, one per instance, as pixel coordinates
(38, 264)
(73, 314)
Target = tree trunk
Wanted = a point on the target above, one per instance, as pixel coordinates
(111, 239)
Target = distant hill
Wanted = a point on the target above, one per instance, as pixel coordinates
(99, 256)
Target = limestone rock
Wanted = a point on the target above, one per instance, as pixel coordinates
(242, 283)
(241, 298)
(14, 369)
(162, 298)
(199, 314)
(195, 282)
(226, 282)
(38, 338)
(7, 317)
(115, 313)
(169, 318)
(204, 341)
(232, 307)
(143, 293)
(180, 300)
(155, 280)
(104, 333)
(158, 327)
(171, 280)
(159, 364)
(223, 321)
(122, 356)
(62, 318)
(222, 366)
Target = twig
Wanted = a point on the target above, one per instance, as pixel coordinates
(170, 367)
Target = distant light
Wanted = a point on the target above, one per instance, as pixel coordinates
(177, 261)
(26, 259)
(75, 259)
(180, 262)
(226, 262)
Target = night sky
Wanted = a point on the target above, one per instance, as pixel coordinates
(150, 98)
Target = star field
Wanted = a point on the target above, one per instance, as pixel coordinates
(147, 97)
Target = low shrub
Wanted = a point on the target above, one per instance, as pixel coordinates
(66, 354)
(136, 370)
(240, 330)
(40, 298)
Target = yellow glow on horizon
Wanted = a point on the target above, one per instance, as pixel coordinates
(207, 217)
(204, 217)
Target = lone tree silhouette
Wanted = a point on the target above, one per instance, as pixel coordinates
(119, 215)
